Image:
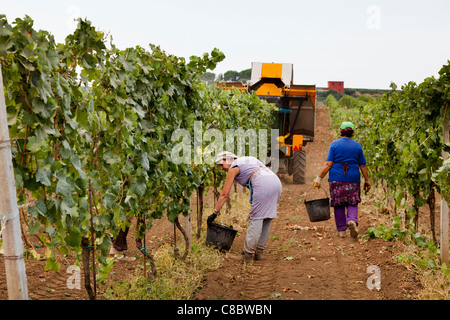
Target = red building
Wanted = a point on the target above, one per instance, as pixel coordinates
(336, 85)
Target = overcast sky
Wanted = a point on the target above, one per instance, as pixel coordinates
(366, 44)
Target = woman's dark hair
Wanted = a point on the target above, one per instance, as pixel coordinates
(347, 132)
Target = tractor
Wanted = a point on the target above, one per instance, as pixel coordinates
(273, 82)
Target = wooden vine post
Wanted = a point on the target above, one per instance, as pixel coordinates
(145, 248)
(199, 210)
(16, 280)
(444, 205)
(92, 239)
(188, 225)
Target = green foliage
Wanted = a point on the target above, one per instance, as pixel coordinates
(403, 135)
(441, 177)
(231, 75)
(83, 112)
(385, 233)
(346, 109)
(245, 74)
(427, 255)
(396, 233)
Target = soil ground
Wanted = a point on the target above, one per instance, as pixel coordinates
(303, 260)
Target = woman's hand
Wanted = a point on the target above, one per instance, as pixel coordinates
(367, 186)
(211, 218)
(365, 172)
(316, 183)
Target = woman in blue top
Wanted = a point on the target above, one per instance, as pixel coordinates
(344, 162)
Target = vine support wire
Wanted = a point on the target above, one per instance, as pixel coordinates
(16, 280)
(444, 205)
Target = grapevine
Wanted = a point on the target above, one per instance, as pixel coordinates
(85, 112)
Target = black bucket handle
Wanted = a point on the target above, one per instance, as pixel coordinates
(313, 188)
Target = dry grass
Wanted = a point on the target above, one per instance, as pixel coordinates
(178, 280)
(237, 214)
(436, 286)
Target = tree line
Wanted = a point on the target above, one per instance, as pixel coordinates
(230, 75)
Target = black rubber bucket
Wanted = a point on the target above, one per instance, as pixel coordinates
(319, 209)
(221, 237)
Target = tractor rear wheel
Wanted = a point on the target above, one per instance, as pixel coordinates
(299, 167)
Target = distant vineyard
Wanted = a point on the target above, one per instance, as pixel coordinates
(352, 92)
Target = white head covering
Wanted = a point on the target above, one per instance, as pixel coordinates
(224, 156)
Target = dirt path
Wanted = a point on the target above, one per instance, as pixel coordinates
(307, 260)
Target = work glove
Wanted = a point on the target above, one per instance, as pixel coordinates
(211, 218)
(316, 183)
(367, 186)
